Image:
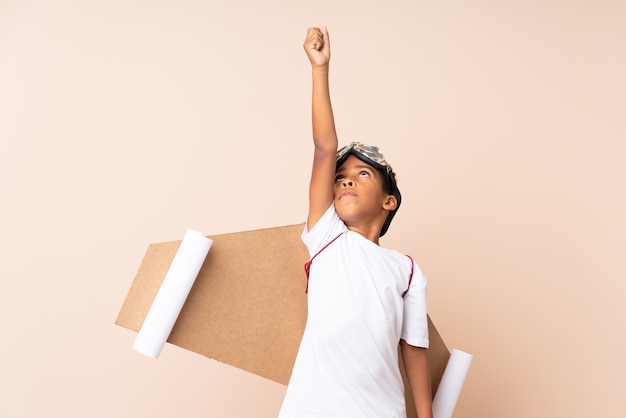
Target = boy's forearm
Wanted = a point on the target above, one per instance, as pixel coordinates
(324, 133)
(417, 369)
(424, 403)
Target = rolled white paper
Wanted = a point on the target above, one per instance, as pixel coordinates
(172, 294)
(451, 383)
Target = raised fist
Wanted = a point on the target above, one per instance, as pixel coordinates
(317, 46)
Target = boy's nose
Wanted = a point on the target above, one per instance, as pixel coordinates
(347, 183)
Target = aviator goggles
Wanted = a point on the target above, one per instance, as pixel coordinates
(370, 154)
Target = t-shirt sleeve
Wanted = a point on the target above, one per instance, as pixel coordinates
(415, 323)
(325, 230)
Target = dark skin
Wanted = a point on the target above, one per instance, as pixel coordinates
(360, 200)
(358, 193)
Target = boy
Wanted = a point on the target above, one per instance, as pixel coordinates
(363, 299)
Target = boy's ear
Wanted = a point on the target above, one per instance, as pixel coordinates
(390, 202)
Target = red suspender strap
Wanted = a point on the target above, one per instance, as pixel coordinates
(410, 277)
(307, 265)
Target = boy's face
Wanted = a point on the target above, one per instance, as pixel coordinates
(359, 194)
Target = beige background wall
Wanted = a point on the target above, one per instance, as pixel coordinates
(124, 122)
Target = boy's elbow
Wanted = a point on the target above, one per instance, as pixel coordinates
(325, 146)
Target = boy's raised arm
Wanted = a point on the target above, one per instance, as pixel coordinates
(317, 47)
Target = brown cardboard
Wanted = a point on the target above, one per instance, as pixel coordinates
(247, 307)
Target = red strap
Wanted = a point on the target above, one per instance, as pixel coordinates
(410, 277)
(307, 265)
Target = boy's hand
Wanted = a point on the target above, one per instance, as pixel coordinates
(317, 46)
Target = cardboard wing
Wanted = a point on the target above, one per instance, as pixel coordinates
(247, 307)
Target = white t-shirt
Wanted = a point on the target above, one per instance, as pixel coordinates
(347, 364)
